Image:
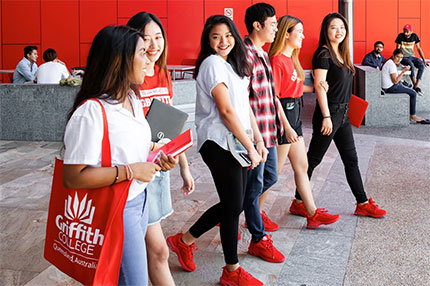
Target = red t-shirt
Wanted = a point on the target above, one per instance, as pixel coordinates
(287, 81)
(157, 86)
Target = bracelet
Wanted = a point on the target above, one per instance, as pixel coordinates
(152, 146)
(260, 141)
(116, 176)
(326, 116)
(131, 172)
(127, 172)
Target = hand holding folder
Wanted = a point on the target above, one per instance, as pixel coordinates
(175, 147)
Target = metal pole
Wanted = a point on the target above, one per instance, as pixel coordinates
(349, 15)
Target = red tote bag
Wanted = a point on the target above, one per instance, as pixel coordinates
(85, 228)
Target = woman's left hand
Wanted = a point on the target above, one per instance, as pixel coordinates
(188, 186)
(167, 162)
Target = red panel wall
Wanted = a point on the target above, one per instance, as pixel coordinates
(311, 24)
(359, 30)
(127, 8)
(94, 15)
(239, 7)
(396, 13)
(12, 54)
(23, 25)
(60, 31)
(186, 21)
(280, 6)
(70, 26)
(425, 27)
(84, 48)
(1, 41)
(410, 8)
(377, 30)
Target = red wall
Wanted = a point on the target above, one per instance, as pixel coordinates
(69, 26)
(383, 20)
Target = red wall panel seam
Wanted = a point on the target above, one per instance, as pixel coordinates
(79, 32)
(365, 23)
(40, 27)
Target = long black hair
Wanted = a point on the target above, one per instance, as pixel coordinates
(139, 22)
(236, 58)
(109, 64)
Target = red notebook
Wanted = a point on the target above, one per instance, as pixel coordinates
(357, 109)
(175, 147)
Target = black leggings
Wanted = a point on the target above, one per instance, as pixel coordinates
(344, 140)
(230, 182)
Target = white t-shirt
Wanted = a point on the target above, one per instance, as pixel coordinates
(51, 72)
(129, 136)
(209, 124)
(388, 68)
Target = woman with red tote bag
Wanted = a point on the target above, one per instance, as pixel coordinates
(116, 65)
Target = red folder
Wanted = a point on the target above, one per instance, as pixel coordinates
(357, 109)
(175, 147)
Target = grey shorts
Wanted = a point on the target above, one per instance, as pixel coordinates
(159, 199)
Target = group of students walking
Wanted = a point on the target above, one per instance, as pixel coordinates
(241, 90)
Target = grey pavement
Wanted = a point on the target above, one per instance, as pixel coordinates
(394, 250)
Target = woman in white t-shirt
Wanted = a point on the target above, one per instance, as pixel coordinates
(222, 108)
(116, 65)
(391, 83)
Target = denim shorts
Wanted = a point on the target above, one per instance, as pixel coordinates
(159, 199)
(292, 108)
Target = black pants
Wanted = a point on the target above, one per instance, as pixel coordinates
(230, 182)
(344, 140)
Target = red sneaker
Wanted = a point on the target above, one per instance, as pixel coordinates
(238, 277)
(265, 250)
(183, 251)
(370, 209)
(298, 208)
(320, 217)
(238, 233)
(268, 224)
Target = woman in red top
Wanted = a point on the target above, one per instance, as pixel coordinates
(289, 76)
(158, 85)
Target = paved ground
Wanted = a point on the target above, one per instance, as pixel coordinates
(354, 251)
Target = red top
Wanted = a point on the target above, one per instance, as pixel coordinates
(157, 86)
(287, 81)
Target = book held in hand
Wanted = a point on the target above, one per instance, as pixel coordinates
(165, 121)
(238, 151)
(175, 147)
(357, 109)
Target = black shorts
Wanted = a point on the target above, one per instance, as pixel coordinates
(292, 108)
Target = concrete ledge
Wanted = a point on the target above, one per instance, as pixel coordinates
(383, 110)
(34, 112)
(423, 102)
(38, 112)
(389, 110)
(184, 91)
(190, 109)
